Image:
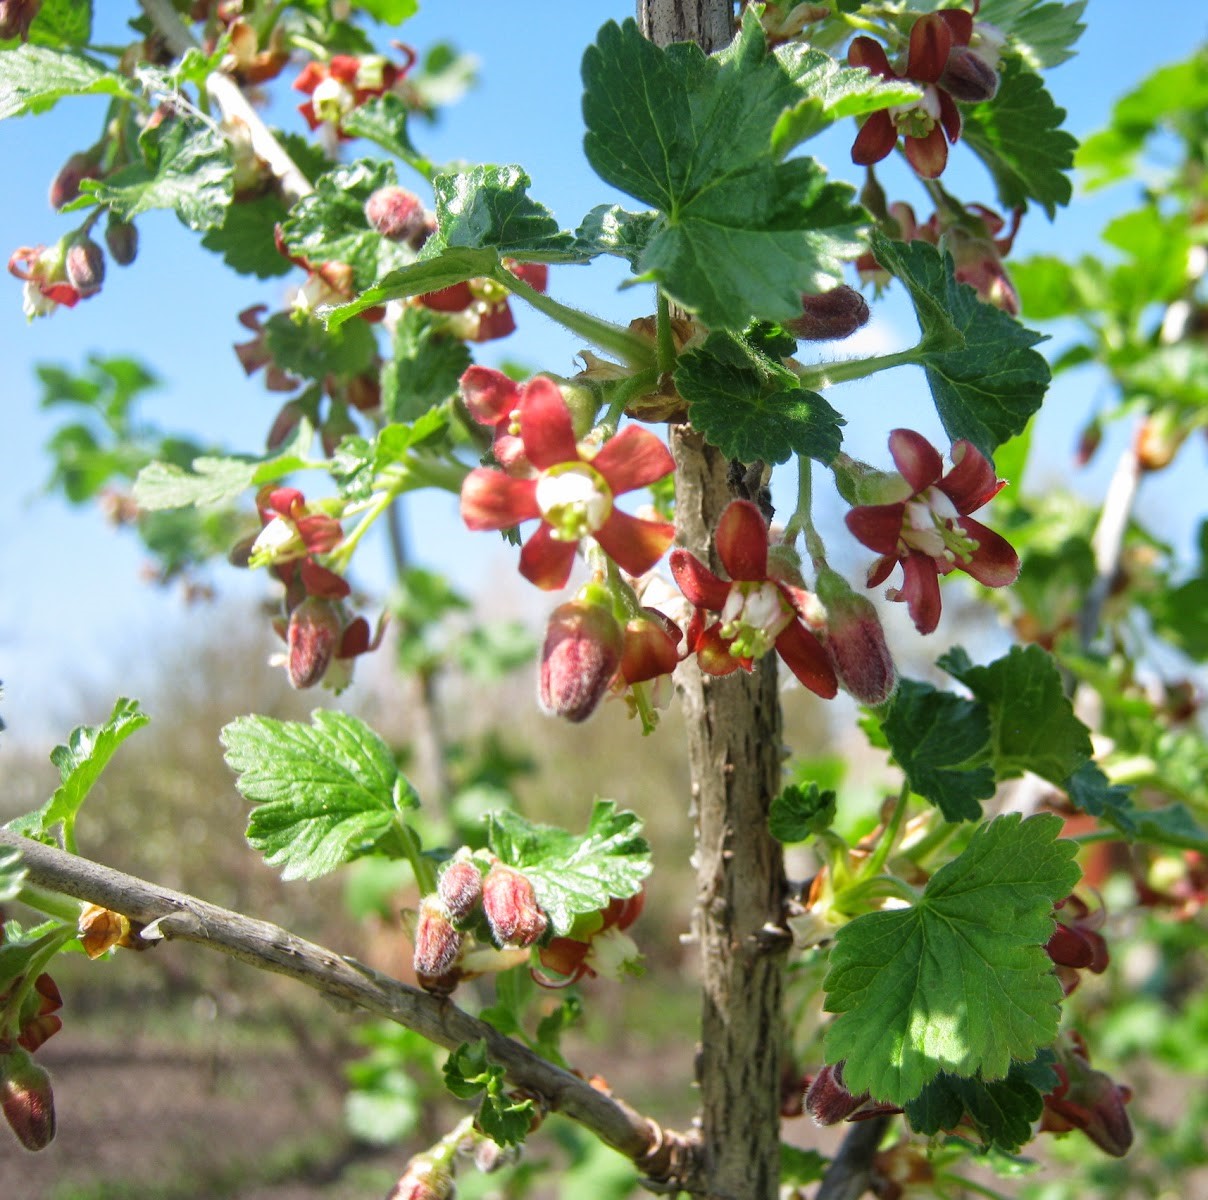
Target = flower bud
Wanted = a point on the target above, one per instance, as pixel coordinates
(437, 943)
(122, 239)
(27, 1099)
(511, 907)
(460, 889)
(395, 213)
(582, 651)
(424, 1180)
(16, 16)
(855, 641)
(312, 635)
(65, 186)
(85, 267)
(829, 315)
(1089, 1100)
(968, 76)
(827, 1100)
(101, 929)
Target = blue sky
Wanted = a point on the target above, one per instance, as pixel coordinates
(72, 609)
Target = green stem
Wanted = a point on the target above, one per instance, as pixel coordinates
(340, 557)
(423, 869)
(930, 842)
(824, 375)
(49, 944)
(53, 904)
(802, 520)
(623, 393)
(853, 898)
(633, 350)
(880, 855)
(665, 335)
(962, 1182)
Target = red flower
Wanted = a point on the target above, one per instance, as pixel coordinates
(929, 530)
(756, 611)
(293, 533)
(572, 492)
(926, 122)
(479, 307)
(345, 82)
(1087, 1099)
(44, 272)
(1076, 942)
(597, 945)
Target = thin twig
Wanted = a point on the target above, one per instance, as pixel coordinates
(850, 1173)
(231, 101)
(662, 1154)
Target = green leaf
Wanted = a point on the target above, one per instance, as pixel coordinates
(424, 369)
(389, 12)
(801, 812)
(1042, 32)
(12, 873)
(186, 167)
(302, 345)
(610, 229)
(213, 481)
(740, 235)
(751, 406)
(1033, 727)
(325, 793)
(573, 875)
(383, 120)
(941, 741)
(330, 224)
(34, 78)
(62, 23)
(482, 215)
(985, 378)
(80, 763)
(799, 1167)
(960, 982)
(1178, 612)
(832, 92)
(1002, 1111)
(245, 237)
(1174, 825)
(468, 1072)
(1018, 136)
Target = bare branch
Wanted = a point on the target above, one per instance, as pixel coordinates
(662, 1154)
(850, 1173)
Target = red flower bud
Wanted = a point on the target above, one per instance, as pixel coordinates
(312, 636)
(460, 889)
(122, 239)
(395, 213)
(855, 642)
(582, 651)
(1089, 1100)
(437, 943)
(424, 1180)
(968, 76)
(65, 186)
(827, 1100)
(16, 16)
(85, 267)
(511, 907)
(27, 1099)
(829, 315)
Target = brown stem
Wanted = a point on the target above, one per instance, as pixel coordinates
(663, 1154)
(850, 1172)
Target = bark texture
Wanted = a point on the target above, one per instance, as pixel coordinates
(708, 23)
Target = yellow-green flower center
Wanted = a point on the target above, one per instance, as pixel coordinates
(929, 526)
(755, 614)
(574, 499)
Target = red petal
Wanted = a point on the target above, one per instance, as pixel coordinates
(995, 563)
(960, 24)
(921, 591)
(950, 119)
(633, 459)
(493, 500)
(971, 482)
(633, 544)
(916, 458)
(713, 654)
(496, 322)
(805, 657)
(536, 275)
(309, 78)
(546, 561)
(875, 140)
(869, 54)
(742, 541)
(489, 395)
(355, 639)
(878, 526)
(651, 647)
(928, 155)
(880, 570)
(930, 45)
(454, 298)
(545, 426)
(699, 585)
(322, 583)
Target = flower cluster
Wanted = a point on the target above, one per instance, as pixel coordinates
(952, 59)
(924, 524)
(478, 309)
(344, 82)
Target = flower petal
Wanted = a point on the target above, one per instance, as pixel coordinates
(921, 591)
(633, 544)
(742, 541)
(928, 155)
(916, 458)
(493, 500)
(960, 24)
(875, 140)
(713, 654)
(651, 646)
(545, 561)
(869, 54)
(545, 426)
(950, 119)
(878, 526)
(930, 45)
(805, 656)
(633, 459)
(995, 563)
(971, 482)
(489, 395)
(880, 570)
(701, 587)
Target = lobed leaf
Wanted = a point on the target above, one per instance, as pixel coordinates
(34, 78)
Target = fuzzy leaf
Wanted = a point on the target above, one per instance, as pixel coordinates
(740, 235)
(383, 120)
(62, 22)
(960, 982)
(1033, 727)
(941, 742)
(468, 1072)
(610, 229)
(751, 406)
(1173, 825)
(801, 812)
(34, 78)
(245, 238)
(325, 793)
(985, 378)
(186, 167)
(573, 875)
(300, 344)
(424, 369)
(1042, 32)
(1018, 136)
